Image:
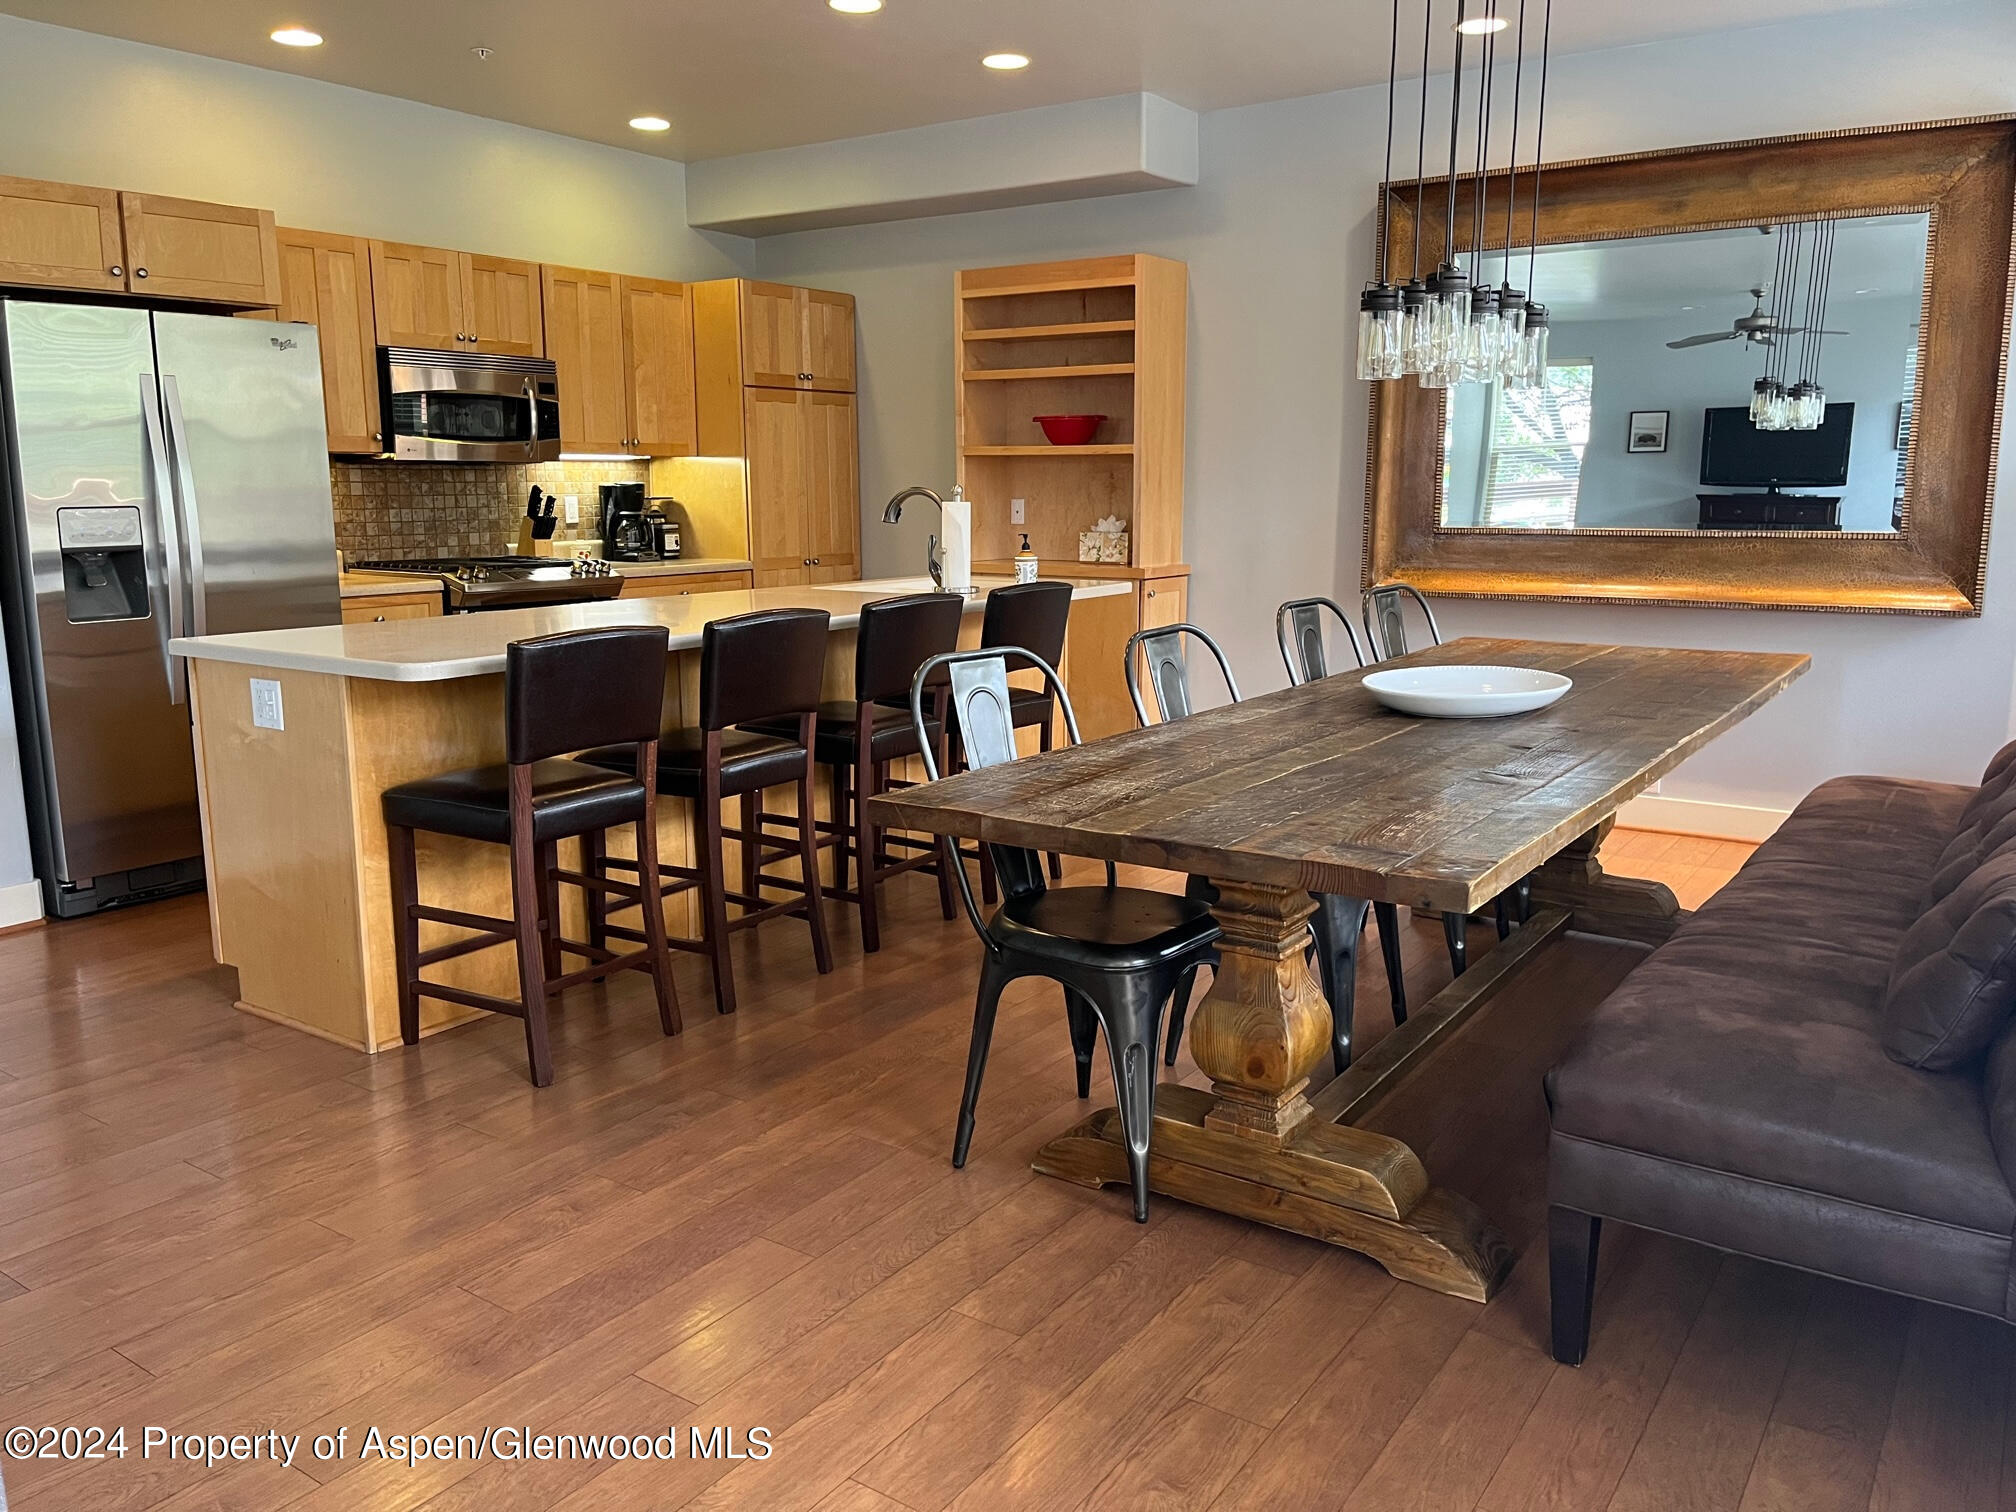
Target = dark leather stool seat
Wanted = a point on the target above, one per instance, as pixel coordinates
(889, 739)
(750, 760)
(568, 797)
(1105, 928)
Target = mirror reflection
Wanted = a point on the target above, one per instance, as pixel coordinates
(1653, 418)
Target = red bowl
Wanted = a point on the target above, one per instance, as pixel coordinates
(1069, 430)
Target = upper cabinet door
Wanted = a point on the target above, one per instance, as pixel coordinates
(417, 294)
(658, 366)
(326, 281)
(773, 335)
(584, 337)
(500, 300)
(62, 236)
(832, 484)
(780, 545)
(829, 341)
(190, 249)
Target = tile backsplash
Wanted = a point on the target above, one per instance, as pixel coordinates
(390, 510)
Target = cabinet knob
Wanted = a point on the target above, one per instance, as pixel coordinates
(378, 619)
(116, 271)
(815, 561)
(139, 272)
(377, 435)
(1151, 593)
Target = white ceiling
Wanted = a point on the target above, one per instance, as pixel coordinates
(743, 75)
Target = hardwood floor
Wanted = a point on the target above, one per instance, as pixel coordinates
(211, 1224)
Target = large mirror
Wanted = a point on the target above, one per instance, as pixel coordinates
(1644, 472)
(1657, 345)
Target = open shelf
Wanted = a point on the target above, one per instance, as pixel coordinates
(1053, 332)
(1111, 449)
(1060, 286)
(1068, 370)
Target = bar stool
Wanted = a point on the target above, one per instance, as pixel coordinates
(1119, 953)
(896, 637)
(1337, 924)
(753, 667)
(560, 692)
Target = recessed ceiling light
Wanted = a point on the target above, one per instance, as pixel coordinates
(1482, 26)
(1005, 62)
(856, 7)
(1865, 291)
(297, 36)
(649, 123)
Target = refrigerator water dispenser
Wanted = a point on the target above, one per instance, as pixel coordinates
(104, 563)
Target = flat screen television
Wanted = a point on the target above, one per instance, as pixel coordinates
(1735, 454)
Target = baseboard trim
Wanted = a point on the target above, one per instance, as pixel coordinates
(20, 904)
(1694, 816)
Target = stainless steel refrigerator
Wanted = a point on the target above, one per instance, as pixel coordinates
(165, 474)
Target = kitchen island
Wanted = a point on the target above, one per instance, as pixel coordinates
(299, 731)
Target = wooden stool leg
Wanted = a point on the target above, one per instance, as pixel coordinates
(838, 812)
(867, 865)
(548, 858)
(525, 907)
(752, 853)
(713, 897)
(595, 862)
(405, 927)
(654, 916)
(808, 861)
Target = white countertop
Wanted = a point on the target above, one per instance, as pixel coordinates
(472, 645)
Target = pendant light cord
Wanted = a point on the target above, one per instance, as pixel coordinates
(1455, 125)
(1490, 49)
(1386, 182)
(1826, 289)
(1421, 147)
(1539, 139)
(1512, 163)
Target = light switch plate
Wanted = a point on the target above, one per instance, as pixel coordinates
(1018, 511)
(266, 711)
(572, 503)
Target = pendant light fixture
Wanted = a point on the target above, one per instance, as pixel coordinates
(1806, 402)
(1381, 322)
(1511, 301)
(1531, 362)
(1417, 326)
(1480, 346)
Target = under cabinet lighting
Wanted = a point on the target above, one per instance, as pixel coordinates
(297, 36)
(603, 457)
(1005, 62)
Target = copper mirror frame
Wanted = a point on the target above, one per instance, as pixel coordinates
(1962, 172)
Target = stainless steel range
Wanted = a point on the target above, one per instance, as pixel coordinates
(508, 582)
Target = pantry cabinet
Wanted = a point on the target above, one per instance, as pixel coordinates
(325, 280)
(795, 338)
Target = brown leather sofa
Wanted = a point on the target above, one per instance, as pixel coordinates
(1818, 1069)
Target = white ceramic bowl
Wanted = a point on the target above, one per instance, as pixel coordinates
(1466, 692)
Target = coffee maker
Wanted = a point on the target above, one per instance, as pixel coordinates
(661, 525)
(624, 535)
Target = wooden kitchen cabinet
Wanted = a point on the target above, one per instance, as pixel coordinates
(500, 301)
(584, 337)
(416, 294)
(794, 338)
(780, 536)
(61, 236)
(325, 281)
(1164, 601)
(675, 585)
(827, 324)
(658, 367)
(366, 609)
(832, 486)
(192, 249)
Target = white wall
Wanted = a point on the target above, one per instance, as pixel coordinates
(1278, 237)
(88, 109)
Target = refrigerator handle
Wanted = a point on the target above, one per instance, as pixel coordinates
(166, 532)
(185, 496)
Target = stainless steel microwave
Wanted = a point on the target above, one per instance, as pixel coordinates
(469, 406)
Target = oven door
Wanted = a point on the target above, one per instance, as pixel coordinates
(445, 407)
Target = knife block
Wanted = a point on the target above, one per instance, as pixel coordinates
(532, 546)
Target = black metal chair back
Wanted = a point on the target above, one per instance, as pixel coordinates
(1168, 669)
(582, 688)
(1386, 621)
(761, 666)
(1298, 626)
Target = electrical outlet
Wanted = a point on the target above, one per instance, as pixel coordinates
(266, 712)
(1018, 511)
(572, 502)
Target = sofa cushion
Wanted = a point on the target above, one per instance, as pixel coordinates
(1953, 984)
(1987, 822)
(1750, 1043)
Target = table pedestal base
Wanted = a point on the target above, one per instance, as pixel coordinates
(1623, 908)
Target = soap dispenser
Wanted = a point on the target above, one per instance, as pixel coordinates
(1026, 564)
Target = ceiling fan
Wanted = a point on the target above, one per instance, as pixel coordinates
(1759, 326)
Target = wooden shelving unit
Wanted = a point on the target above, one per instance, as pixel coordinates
(1102, 336)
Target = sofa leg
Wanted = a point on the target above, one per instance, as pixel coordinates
(1571, 1275)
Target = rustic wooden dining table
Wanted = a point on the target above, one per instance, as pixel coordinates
(1320, 789)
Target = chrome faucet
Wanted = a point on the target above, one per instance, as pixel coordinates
(892, 512)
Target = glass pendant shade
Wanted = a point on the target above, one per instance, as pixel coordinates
(1481, 342)
(1380, 350)
(1416, 327)
(1511, 333)
(1762, 394)
(1449, 327)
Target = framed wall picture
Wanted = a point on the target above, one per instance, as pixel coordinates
(1648, 430)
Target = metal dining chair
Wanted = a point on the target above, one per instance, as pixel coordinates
(1298, 626)
(1337, 924)
(1386, 632)
(1118, 952)
(1386, 620)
